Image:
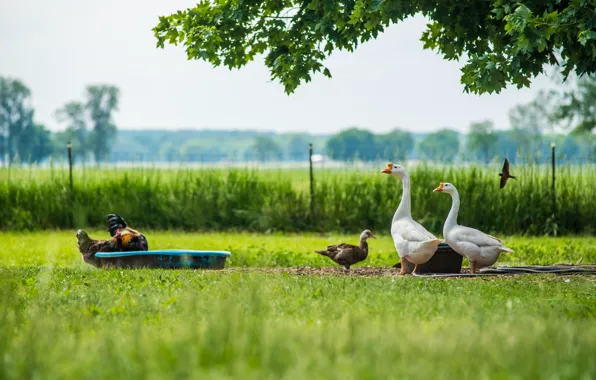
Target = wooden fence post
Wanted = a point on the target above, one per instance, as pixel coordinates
(312, 184)
(69, 149)
(554, 193)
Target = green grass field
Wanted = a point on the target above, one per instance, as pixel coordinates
(60, 318)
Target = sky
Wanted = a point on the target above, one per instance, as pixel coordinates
(58, 47)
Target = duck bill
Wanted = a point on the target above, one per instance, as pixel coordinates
(373, 236)
(439, 189)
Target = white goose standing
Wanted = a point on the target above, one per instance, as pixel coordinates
(480, 249)
(412, 241)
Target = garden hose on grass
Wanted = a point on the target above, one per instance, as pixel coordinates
(560, 269)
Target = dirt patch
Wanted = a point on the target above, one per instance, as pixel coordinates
(361, 271)
(368, 271)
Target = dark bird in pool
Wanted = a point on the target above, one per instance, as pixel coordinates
(123, 238)
(505, 174)
(348, 254)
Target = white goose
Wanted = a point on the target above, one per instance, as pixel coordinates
(480, 249)
(412, 241)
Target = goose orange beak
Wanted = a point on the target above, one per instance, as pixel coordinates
(439, 189)
(388, 169)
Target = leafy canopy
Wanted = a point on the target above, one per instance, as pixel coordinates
(89, 124)
(503, 41)
(395, 145)
(352, 144)
(482, 139)
(576, 108)
(76, 132)
(102, 101)
(265, 149)
(441, 145)
(20, 137)
(16, 114)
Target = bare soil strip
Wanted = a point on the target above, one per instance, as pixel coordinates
(368, 271)
(361, 271)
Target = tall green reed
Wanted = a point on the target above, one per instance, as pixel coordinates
(260, 200)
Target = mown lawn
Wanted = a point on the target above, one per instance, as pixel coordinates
(58, 249)
(60, 318)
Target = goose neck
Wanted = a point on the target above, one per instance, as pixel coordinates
(452, 217)
(405, 208)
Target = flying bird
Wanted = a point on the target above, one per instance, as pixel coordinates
(348, 254)
(505, 174)
(123, 238)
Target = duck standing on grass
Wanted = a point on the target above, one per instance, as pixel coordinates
(480, 249)
(412, 241)
(348, 254)
(123, 238)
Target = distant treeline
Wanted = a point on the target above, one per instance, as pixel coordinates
(481, 144)
(267, 202)
(89, 126)
(349, 145)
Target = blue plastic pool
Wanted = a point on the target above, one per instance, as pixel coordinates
(165, 258)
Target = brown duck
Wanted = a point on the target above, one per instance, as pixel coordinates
(348, 254)
(123, 238)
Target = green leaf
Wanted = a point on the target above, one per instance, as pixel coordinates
(510, 35)
(585, 36)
